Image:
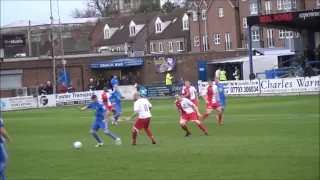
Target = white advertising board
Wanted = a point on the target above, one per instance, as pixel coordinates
(18, 103)
(290, 85)
(235, 87)
(127, 91)
(67, 99)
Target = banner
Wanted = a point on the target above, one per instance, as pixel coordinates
(17, 40)
(18, 103)
(290, 85)
(67, 99)
(165, 64)
(127, 91)
(161, 90)
(235, 87)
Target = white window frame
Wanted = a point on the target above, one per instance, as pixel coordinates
(204, 14)
(160, 47)
(270, 38)
(228, 41)
(268, 7)
(246, 46)
(244, 22)
(205, 43)
(217, 39)
(132, 30)
(196, 41)
(158, 27)
(255, 35)
(195, 16)
(296, 34)
(281, 34)
(107, 33)
(318, 2)
(152, 47)
(289, 34)
(220, 12)
(253, 8)
(286, 4)
(170, 46)
(185, 24)
(179, 46)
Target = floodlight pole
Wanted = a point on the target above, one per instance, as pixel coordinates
(54, 84)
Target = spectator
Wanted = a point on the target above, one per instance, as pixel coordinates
(71, 88)
(100, 82)
(317, 51)
(236, 73)
(92, 85)
(114, 82)
(169, 79)
(223, 75)
(49, 88)
(63, 88)
(138, 78)
(42, 90)
(217, 75)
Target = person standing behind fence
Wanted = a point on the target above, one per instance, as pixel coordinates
(169, 79)
(217, 75)
(223, 75)
(49, 88)
(236, 73)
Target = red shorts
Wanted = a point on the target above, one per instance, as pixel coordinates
(110, 108)
(212, 105)
(189, 117)
(142, 124)
(195, 102)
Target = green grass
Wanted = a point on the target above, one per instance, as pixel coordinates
(263, 138)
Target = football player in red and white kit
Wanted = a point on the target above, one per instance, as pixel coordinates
(189, 112)
(211, 97)
(142, 108)
(106, 101)
(190, 93)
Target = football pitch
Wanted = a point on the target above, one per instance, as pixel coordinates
(262, 138)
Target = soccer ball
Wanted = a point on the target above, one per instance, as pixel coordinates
(77, 145)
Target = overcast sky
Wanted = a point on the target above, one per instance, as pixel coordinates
(35, 10)
(38, 10)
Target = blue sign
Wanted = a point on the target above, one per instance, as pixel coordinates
(117, 63)
(3, 104)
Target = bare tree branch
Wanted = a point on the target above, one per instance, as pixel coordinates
(95, 8)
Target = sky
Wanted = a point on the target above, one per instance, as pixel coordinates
(35, 10)
(38, 10)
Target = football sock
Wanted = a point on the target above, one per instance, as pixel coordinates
(201, 126)
(116, 117)
(2, 176)
(185, 128)
(149, 133)
(97, 137)
(205, 116)
(112, 135)
(134, 137)
(219, 118)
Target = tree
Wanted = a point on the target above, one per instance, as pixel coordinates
(169, 6)
(95, 8)
(149, 6)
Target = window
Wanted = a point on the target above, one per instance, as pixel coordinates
(127, 1)
(286, 4)
(255, 35)
(244, 22)
(160, 47)
(217, 39)
(196, 41)
(246, 46)
(11, 79)
(132, 30)
(289, 34)
(270, 38)
(195, 16)
(158, 27)
(318, 2)
(268, 7)
(253, 8)
(228, 41)
(297, 34)
(179, 46)
(185, 24)
(281, 34)
(204, 14)
(107, 33)
(205, 43)
(170, 46)
(220, 11)
(152, 48)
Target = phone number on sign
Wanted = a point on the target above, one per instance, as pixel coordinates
(246, 89)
